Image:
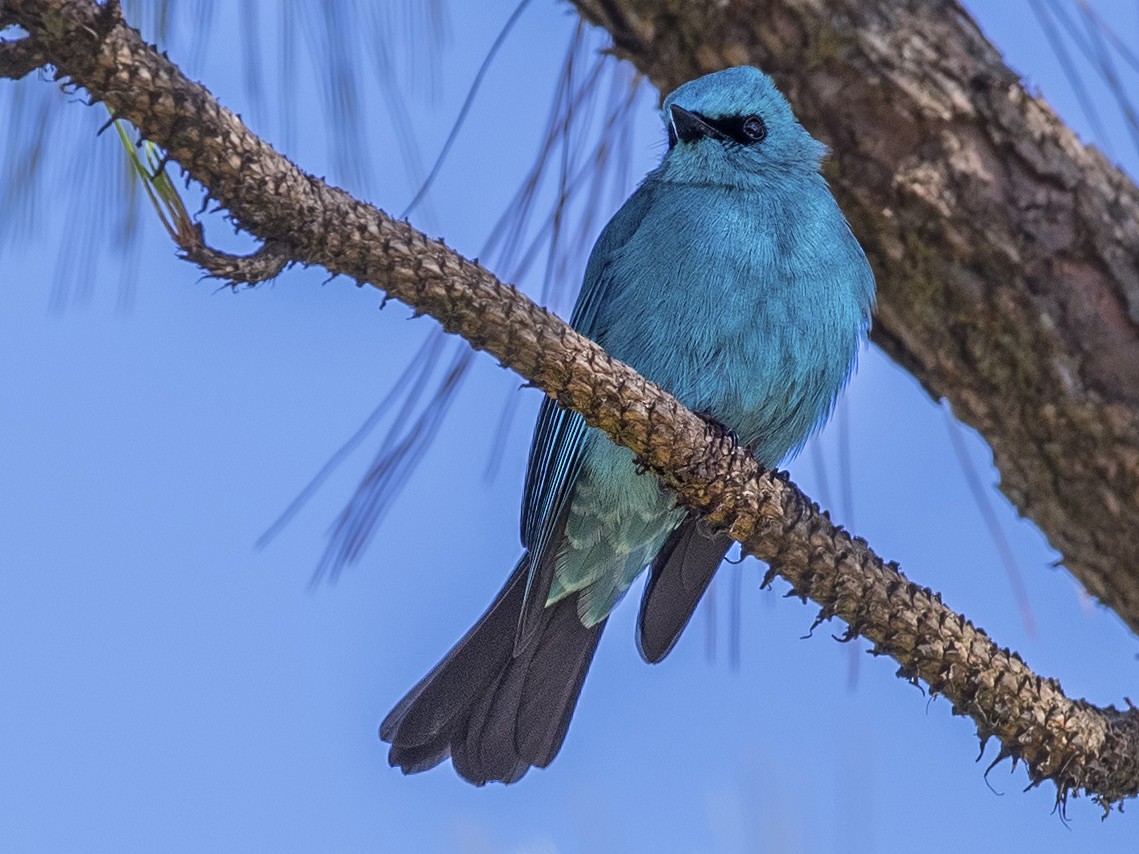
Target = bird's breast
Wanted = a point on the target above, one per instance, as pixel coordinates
(725, 302)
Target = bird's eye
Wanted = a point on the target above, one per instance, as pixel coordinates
(754, 128)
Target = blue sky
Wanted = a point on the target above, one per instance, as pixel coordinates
(168, 687)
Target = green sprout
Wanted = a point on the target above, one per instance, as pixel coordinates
(150, 167)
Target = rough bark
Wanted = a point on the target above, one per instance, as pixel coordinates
(1007, 253)
(1078, 746)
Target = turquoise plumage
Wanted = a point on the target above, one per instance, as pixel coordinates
(730, 278)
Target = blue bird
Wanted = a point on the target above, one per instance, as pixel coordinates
(730, 278)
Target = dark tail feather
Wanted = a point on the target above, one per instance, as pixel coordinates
(419, 727)
(493, 712)
(680, 574)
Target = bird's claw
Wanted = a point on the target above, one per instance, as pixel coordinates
(717, 430)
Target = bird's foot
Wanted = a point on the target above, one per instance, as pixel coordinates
(716, 430)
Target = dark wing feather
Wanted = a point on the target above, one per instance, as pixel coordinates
(680, 574)
(555, 464)
(559, 435)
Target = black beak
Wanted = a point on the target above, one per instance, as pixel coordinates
(690, 127)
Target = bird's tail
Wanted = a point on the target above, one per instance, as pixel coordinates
(496, 712)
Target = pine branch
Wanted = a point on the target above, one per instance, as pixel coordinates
(1080, 747)
(19, 57)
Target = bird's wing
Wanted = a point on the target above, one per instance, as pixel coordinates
(559, 436)
(681, 572)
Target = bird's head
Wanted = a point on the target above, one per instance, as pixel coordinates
(734, 127)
